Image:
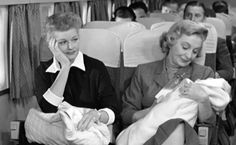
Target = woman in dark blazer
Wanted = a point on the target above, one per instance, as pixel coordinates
(182, 43)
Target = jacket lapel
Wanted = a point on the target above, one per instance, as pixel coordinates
(161, 77)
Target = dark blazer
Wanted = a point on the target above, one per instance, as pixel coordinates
(148, 80)
(221, 61)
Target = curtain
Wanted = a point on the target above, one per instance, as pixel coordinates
(119, 3)
(99, 10)
(68, 7)
(154, 5)
(24, 24)
(133, 1)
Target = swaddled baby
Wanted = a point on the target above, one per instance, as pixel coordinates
(171, 104)
(217, 90)
(61, 127)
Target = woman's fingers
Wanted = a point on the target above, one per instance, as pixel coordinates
(88, 119)
(57, 52)
(194, 92)
(185, 88)
(51, 44)
(85, 122)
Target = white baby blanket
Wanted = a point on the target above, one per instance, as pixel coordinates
(60, 128)
(172, 106)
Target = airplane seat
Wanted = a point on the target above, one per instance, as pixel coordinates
(166, 16)
(94, 42)
(105, 46)
(125, 29)
(148, 21)
(227, 21)
(219, 25)
(100, 24)
(139, 48)
(208, 56)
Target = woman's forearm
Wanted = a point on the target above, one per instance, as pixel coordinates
(59, 84)
(204, 111)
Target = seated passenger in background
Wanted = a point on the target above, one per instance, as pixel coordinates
(72, 76)
(169, 6)
(220, 7)
(196, 11)
(182, 44)
(124, 14)
(140, 9)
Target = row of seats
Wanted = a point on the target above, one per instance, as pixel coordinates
(222, 22)
(222, 29)
(129, 44)
(138, 44)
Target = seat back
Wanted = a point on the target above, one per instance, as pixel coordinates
(100, 24)
(94, 42)
(139, 48)
(126, 29)
(142, 47)
(227, 21)
(162, 26)
(123, 31)
(105, 46)
(166, 16)
(148, 21)
(208, 55)
(219, 25)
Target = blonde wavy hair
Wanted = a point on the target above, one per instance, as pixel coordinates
(187, 27)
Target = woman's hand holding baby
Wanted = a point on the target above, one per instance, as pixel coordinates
(194, 91)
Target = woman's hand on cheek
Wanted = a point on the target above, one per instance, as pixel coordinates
(57, 53)
(195, 92)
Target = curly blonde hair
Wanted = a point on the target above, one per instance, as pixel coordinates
(187, 27)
